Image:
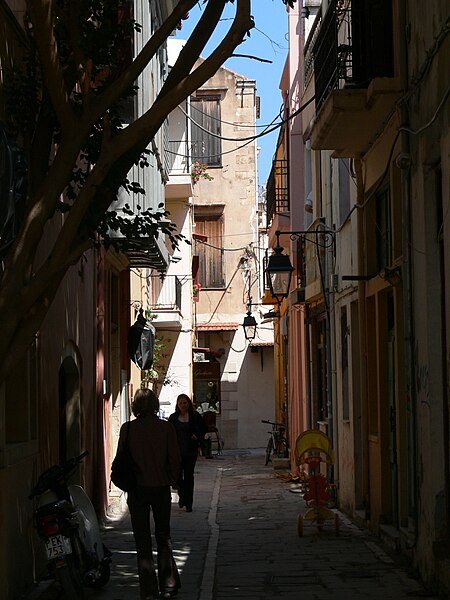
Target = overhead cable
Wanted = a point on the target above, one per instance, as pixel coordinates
(258, 135)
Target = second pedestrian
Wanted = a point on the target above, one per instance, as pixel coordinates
(191, 428)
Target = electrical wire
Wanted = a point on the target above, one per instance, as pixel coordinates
(211, 155)
(431, 121)
(220, 248)
(192, 105)
(181, 277)
(213, 312)
(250, 139)
(268, 130)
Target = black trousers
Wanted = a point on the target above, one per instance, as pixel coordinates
(140, 502)
(186, 480)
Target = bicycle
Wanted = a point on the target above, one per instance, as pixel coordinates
(277, 444)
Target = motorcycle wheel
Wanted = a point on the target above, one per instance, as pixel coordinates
(70, 581)
(105, 573)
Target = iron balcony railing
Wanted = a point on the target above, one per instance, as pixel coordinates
(277, 194)
(352, 45)
(308, 69)
(332, 51)
(178, 157)
(165, 294)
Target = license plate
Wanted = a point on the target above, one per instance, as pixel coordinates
(57, 545)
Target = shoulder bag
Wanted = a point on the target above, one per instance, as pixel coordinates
(122, 468)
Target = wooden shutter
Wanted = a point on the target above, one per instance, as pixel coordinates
(211, 273)
(205, 113)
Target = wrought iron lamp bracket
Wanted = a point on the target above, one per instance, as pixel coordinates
(325, 238)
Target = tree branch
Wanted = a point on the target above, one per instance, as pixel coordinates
(139, 133)
(264, 60)
(195, 44)
(242, 24)
(128, 77)
(42, 19)
(122, 148)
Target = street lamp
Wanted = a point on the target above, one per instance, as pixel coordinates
(279, 271)
(279, 267)
(249, 326)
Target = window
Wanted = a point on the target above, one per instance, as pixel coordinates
(206, 143)
(210, 253)
(378, 226)
(383, 229)
(344, 188)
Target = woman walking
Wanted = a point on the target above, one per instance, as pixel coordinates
(154, 449)
(191, 429)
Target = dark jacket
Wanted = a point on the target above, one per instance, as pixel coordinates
(197, 427)
(154, 447)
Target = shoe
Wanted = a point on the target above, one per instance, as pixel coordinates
(188, 508)
(181, 504)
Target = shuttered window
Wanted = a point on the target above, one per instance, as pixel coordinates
(206, 146)
(383, 229)
(211, 272)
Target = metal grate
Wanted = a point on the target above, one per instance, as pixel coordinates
(277, 193)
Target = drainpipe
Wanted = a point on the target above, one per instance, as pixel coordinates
(363, 474)
(332, 369)
(309, 415)
(404, 163)
(329, 309)
(333, 422)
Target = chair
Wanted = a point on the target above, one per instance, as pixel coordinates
(212, 433)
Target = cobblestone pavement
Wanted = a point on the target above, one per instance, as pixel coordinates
(241, 542)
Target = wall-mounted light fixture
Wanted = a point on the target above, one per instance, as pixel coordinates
(279, 267)
(279, 271)
(249, 326)
(392, 276)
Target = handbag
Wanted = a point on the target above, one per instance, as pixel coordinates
(122, 468)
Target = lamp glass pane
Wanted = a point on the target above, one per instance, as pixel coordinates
(280, 283)
(250, 332)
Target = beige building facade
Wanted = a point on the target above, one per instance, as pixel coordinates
(225, 227)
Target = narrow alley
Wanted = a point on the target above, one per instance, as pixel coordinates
(241, 541)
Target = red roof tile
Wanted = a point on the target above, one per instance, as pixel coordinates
(217, 326)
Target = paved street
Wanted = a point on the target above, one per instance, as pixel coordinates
(241, 542)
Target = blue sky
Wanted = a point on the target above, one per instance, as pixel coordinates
(267, 40)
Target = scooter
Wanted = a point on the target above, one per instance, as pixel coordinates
(66, 521)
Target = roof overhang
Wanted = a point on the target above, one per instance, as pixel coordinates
(217, 326)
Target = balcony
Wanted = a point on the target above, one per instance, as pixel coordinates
(144, 251)
(178, 161)
(178, 157)
(355, 88)
(277, 192)
(165, 302)
(147, 253)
